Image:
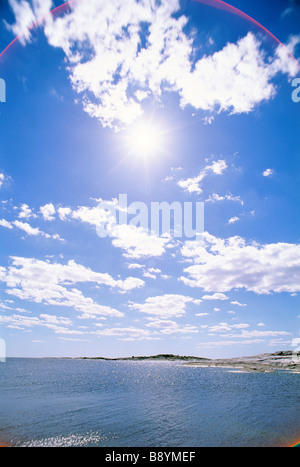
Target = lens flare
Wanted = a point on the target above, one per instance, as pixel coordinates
(144, 140)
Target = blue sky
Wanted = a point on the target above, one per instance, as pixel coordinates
(211, 94)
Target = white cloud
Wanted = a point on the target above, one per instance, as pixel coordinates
(97, 216)
(115, 62)
(174, 172)
(224, 327)
(24, 17)
(48, 212)
(26, 212)
(165, 277)
(217, 198)
(238, 304)
(135, 266)
(26, 14)
(260, 334)
(234, 79)
(208, 120)
(6, 224)
(192, 185)
(149, 275)
(268, 172)
(152, 273)
(53, 284)
(233, 220)
(131, 332)
(63, 213)
(4, 179)
(58, 324)
(216, 344)
(31, 231)
(141, 95)
(135, 241)
(168, 327)
(221, 265)
(55, 320)
(165, 306)
(283, 62)
(138, 243)
(241, 335)
(216, 296)
(69, 273)
(112, 32)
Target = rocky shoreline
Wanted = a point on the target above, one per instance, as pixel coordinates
(268, 362)
(161, 357)
(265, 363)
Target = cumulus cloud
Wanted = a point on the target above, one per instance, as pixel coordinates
(151, 273)
(215, 296)
(135, 241)
(53, 284)
(216, 344)
(238, 304)
(48, 212)
(214, 198)
(120, 53)
(192, 185)
(31, 231)
(233, 220)
(221, 265)
(135, 266)
(155, 330)
(6, 224)
(130, 333)
(283, 61)
(169, 327)
(165, 306)
(59, 325)
(2, 178)
(63, 213)
(25, 212)
(224, 327)
(241, 335)
(26, 13)
(268, 172)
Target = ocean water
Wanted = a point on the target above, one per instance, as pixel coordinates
(52, 402)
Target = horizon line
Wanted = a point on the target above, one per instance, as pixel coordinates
(154, 355)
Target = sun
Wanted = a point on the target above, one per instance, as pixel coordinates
(145, 140)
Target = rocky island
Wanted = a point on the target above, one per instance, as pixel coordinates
(162, 357)
(269, 362)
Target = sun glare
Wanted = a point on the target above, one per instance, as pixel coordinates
(145, 140)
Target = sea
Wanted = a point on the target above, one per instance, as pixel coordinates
(89, 403)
